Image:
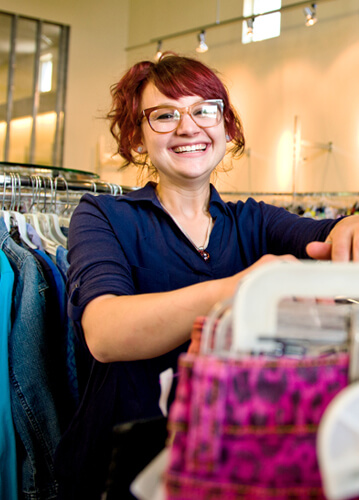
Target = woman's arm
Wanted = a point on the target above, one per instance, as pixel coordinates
(123, 328)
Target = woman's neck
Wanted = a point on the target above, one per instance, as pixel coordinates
(183, 202)
(190, 212)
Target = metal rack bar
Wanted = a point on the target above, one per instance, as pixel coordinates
(92, 185)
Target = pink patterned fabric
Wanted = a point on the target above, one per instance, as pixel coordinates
(247, 428)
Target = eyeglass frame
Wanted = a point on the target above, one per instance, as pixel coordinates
(185, 110)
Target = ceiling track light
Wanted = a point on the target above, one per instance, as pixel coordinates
(250, 23)
(295, 5)
(310, 15)
(202, 47)
(158, 54)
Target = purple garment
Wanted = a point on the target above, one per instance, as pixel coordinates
(34, 237)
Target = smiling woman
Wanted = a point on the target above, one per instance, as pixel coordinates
(174, 77)
(145, 265)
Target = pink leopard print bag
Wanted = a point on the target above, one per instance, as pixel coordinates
(247, 429)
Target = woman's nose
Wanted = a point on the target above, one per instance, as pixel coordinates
(187, 125)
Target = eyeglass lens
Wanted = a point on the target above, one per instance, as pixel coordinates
(204, 114)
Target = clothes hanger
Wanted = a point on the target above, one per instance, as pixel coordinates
(4, 213)
(32, 217)
(50, 219)
(255, 305)
(216, 328)
(64, 216)
(16, 217)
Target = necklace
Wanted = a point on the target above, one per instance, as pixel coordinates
(200, 249)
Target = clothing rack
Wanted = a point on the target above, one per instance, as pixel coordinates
(64, 179)
(292, 196)
(33, 189)
(289, 193)
(317, 204)
(93, 185)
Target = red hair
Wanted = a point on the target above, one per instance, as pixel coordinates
(175, 77)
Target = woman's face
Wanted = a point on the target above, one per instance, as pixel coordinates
(189, 152)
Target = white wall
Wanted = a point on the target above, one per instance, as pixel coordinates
(97, 58)
(312, 73)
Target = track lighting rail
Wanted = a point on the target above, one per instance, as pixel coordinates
(206, 27)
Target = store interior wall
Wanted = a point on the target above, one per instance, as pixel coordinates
(97, 58)
(307, 75)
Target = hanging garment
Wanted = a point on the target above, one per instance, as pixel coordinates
(71, 348)
(8, 467)
(67, 384)
(37, 367)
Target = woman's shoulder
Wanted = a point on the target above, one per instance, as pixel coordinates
(238, 205)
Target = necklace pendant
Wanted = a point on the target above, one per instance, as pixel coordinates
(205, 255)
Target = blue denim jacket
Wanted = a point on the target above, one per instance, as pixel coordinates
(36, 363)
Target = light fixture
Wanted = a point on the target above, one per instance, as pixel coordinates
(250, 23)
(310, 15)
(158, 54)
(202, 47)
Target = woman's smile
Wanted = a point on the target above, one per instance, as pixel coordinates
(190, 148)
(170, 152)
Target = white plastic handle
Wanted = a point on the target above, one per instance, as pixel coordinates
(255, 306)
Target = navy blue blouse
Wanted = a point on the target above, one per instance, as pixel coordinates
(128, 245)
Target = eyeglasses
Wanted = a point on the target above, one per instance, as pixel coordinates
(164, 119)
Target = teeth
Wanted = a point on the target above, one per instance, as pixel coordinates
(187, 149)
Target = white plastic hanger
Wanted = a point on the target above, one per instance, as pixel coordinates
(64, 216)
(50, 219)
(15, 217)
(255, 304)
(4, 213)
(6, 216)
(216, 328)
(32, 218)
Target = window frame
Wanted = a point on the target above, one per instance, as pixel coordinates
(9, 111)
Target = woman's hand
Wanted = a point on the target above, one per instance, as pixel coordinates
(342, 243)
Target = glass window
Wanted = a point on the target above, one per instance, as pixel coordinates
(262, 26)
(33, 63)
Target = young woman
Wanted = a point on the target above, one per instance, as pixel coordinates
(144, 265)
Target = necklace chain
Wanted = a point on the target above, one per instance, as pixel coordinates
(200, 249)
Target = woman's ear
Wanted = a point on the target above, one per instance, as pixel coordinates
(137, 143)
(141, 149)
